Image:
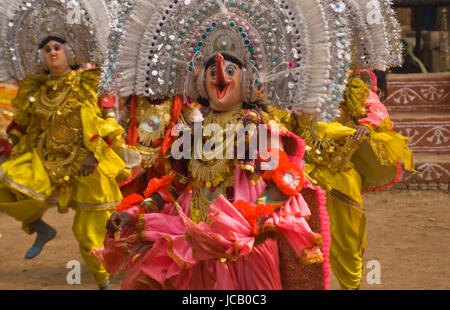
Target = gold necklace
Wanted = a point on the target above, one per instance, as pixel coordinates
(52, 104)
(214, 171)
(222, 118)
(63, 85)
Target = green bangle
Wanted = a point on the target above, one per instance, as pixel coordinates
(150, 204)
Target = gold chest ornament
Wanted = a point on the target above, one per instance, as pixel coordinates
(153, 121)
(336, 154)
(60, 144)
(212, 177)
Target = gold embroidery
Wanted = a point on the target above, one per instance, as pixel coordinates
(153, 120)
(344, 198)
(173, 255)
(149, 155)
(140, 227)
(310, 256)
(336, 154)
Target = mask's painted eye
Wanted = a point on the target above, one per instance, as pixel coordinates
(47, 49)
(230, 70)
(56, 47)
(213, 71)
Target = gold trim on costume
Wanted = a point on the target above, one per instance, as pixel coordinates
(311, 258)
(20, 188)
(140, 225)
(60, 171)
(172, 254)
(344, 198)
(211, 170)
(93, 207)
(149, 156)
(153, 120)
(335, 154)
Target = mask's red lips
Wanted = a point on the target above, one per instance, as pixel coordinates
(221, 90)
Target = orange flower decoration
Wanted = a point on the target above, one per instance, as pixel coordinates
(160, 185)
(129, 201)
(288, 177)
(251, 213)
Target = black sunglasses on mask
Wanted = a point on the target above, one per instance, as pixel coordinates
(56, 47)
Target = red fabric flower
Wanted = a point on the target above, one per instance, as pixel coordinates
(288, 177)
(107, 101)
(129, 201)
(251, 213)
(160, 185)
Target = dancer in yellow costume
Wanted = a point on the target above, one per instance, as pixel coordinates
(62, 151)
(358, 153)
(355, 150)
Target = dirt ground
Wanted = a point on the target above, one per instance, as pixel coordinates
(408, 233)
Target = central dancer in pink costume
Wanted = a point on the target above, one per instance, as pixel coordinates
(243, 222)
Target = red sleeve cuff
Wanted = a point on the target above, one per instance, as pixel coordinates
(107, 101)
(14, 125)
(5, 147)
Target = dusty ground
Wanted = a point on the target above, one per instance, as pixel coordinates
(408, 233)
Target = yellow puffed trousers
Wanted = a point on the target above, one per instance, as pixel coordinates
(25, 183)
(88, 224)
(347, 222)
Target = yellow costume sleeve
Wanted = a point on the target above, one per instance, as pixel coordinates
(23, 103)
(109, 162)
(26, 95)
(89, 80)
(333, 130)
(389, 146)
(107, 127)
(97, 132)
(378, 157)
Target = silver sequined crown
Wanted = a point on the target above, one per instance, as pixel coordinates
(24, 24)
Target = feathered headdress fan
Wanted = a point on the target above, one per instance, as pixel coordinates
(340, 42)
(394, 32)
(294, 53)
(376, 34)
(24, 24)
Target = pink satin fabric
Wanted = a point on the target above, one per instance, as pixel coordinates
(219, 254)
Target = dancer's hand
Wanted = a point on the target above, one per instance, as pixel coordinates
(118, 221)
(274, 194)
(361, 132)
(89, 165)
